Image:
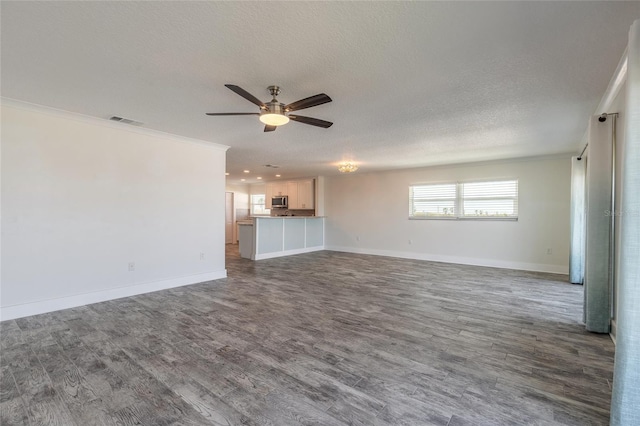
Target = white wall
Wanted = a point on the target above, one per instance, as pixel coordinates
(368, 213)
(83, 197)
(240, 195)
(257, 188)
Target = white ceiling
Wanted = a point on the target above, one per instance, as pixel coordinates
(413, 84)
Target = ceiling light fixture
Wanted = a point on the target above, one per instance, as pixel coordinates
(274, 119)
(347, 167)
(278, 175)
(226, 173)
(246, 171)
(259, 177)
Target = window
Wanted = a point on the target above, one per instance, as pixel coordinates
(433, 200)
(497, 199)
(258, 205)
(464, 200)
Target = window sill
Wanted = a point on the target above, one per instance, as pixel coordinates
(499, 219)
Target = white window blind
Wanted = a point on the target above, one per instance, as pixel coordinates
(437, 200)
(490, 199)
(465, 200)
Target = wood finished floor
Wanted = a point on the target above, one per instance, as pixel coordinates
(319, 339)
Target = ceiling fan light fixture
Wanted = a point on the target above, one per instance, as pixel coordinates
(271, 119)
(347, 167)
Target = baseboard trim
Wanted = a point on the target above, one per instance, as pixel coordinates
(613, 331)
(44, 306)
(287, 252)
(492, 263)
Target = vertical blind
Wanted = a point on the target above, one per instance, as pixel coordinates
(479, 200)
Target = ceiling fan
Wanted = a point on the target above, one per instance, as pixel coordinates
(275, 113)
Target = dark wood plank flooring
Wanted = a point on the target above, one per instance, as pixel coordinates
(320, 339)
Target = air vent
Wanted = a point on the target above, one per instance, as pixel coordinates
(272, 166)
(125, 120)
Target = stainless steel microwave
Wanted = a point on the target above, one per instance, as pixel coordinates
(280, 202)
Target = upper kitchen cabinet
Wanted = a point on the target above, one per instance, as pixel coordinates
(268, 193)
(278, 188)
(292, 193)
(306, 195)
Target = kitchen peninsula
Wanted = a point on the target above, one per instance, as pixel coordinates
(273, 236)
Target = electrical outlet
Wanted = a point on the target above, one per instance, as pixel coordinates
(201, 256)
(410, 242)
(357, 238)
(132, 266)
(549, 251)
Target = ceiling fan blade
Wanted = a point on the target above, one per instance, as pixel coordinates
(308, 102)
(233, 113)
(269, 128)
(248, 96)
(310, 120)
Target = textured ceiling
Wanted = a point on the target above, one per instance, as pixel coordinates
(413, 84)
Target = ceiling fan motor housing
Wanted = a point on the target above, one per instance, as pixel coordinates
(273, 108)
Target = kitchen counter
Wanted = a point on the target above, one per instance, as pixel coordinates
(276, 236)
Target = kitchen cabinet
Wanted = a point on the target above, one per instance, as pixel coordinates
(300, 192)
(279, 188)
(292, 192)
(305, 196)
(268, 193)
